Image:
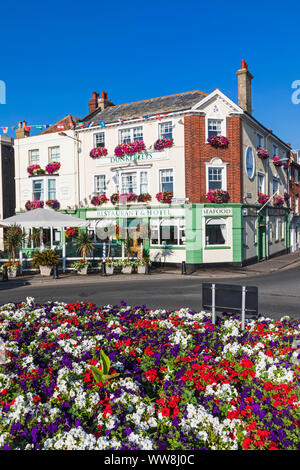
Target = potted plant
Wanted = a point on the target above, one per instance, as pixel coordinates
(144, 197)
(12, 268)
(81, 266)
(71, 232)
(262, 153)
(84, 247)
(30, 205)
(52, 167)
(53, 204)
(262, 198)
(127, 266)
(109, 266)
(278, 200)
(141, 265)
(99, 200)
(32, 168)
(14, 237)
(129, 148)
(114, 198)
(45, 260)
(98, 152)
(277, 161)
(163, 143)
(218, 196)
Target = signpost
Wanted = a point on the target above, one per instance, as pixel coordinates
(230, 299)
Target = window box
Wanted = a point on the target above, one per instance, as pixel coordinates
(263, 154)
(52, 167)
(163, 143)
(98, 152)
(218, 141)
(53, 203)
(99, 200)
(218, 196)
(129, 148)
(278, 201)
(144, 197)
(262, 198)
(32, 168)
(30, 205)
(165, 197)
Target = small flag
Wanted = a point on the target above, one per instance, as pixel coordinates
(60, 126)
(122, 121)
(5, 129)
(102, 123)
(146, 117)
(39, 127)
(27, 128)
(158, 116)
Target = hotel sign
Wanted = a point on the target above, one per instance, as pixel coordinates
(136, 158)
(219, 211)
(132, 213)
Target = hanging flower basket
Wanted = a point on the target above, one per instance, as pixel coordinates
(277, 161)
(129, 148)
(218, 196)
(98, 152)
(144, 197)
(287, 197)
(165, 197)
(114, 198)
(278, 201)
(32, 168)
(53, 203)
(99, 200)
(262, 198)
(262, 153)
(71, 232)
(161, 144)
(218, 141)
(30, 205)
(52, 167)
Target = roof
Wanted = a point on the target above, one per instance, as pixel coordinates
(148, 107)
(65, 124)
(43, 218)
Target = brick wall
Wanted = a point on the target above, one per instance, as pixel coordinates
(197, 152)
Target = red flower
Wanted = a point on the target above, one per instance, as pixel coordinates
(246, 443)
(165, 411)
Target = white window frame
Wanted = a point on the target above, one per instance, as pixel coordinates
(131, 131)
(34, 180)
(219, 221)
(217, 163)
(160, 124)
(260, 140)
(138, 171)
(296, 172)
(48, 180)
(261, 175)
(57, 158)
(45, 190)
(214, 118)
(176, 221)
(296, 204)
(275, 180)
(275, 150)
(102, 133)
(31, 162)
(95, 185)
(254, 163)
(159, 177)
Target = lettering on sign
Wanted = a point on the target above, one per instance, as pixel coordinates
(222, 211)
(140, 157)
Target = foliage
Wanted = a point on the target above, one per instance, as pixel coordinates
(80, 264)
(84, 244)
(218, 141)
(218, 196)
(14, 237)
(45, 258)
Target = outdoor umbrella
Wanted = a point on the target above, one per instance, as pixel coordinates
(44, 218)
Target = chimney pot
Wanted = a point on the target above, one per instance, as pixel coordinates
(244, 87)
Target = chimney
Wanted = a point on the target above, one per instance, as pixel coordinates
(22, 131)
(104, 102)
(93, 102)
(244, 87)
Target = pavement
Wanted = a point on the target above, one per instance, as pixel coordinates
(279, 263)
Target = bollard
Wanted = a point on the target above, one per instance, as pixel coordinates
(183, 268)
(103, 272)
(147, 271)
(4, 274)
(55, 272)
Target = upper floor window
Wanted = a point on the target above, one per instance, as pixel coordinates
(260, 183)
(165, 130)
(166, 180)
(38, 190)
(250, 163)
(99, 184)
(259, 140)
(52, 188)
(34, 156)
(297, 204)
(132, 182)
(296, 176)
(54, 154)
(130, 135)
(99, 139)
(214, 127)
(275, 150)
(275, 185)
(216, 177)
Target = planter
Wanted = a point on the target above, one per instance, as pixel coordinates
(109, 270)
(82, 271)
(141, 269)
(45, 270)
(12, 272)
(127, 269)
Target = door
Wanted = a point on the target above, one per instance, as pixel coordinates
(261, 241)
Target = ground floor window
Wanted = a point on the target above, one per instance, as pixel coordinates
(167, 232)
(215, 232)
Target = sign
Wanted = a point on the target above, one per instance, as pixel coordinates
(221, 211)
(275, 211)
(136, 158)
(124, 213)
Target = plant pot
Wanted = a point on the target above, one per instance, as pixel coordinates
(12, 272)
(45, 270)
(83, 271)
(109, 270)
(127, 269)
(141, 269)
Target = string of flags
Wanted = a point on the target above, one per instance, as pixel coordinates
(81, 124)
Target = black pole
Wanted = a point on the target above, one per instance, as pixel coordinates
(4, 273)
(183, 268)
(55, 272)
(103, 272)
(147, 271)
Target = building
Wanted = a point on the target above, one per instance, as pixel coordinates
(7, 188)
(294, 191)
(192, 228)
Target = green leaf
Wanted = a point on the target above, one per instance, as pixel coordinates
(97, 374)
(105, 363)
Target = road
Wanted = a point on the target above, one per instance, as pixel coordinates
(279, 293)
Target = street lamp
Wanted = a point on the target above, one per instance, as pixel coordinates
(63, 134)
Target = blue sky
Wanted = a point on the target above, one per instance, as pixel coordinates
(54, 55)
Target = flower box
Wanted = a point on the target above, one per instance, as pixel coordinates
(45, 270)
(53, 203)
(218, 141)
(32, 168)
(218, 196)
(129, 148)
(98, 152)
(278, 201)
(126, 269)
(161, 144)
(31, 205)
(127, 197)
(114, 198)
(141, 269)
(277, 161)
(109, 269)
(99, 200)
(144, 197)
(82, 271)
(262, 153)
(13, 272)
(165, 197)
(52, 167)
(262, 198)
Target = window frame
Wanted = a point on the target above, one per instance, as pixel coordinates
(49, 154)
(131, 132)
(138, 171)
(275, 180)
(249, 147)
(220, 221)
(261, 175)
(217, 163)
(223, 126)
(178, 222)
(29, 156)
(95, 139)
(94, 183)
(159, 178)
(160, 134)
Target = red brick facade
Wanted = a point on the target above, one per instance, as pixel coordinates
(197, 152)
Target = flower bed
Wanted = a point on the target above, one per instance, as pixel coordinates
(52, 167)
(99, 200)
(218, 196)
(262, 153)
(30, 205)
(98, 152)
(161, 144)
(129, 148)
(53, 203)
(218, 141)
(176, 380)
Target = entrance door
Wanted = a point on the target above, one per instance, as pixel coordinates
(262, 241)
